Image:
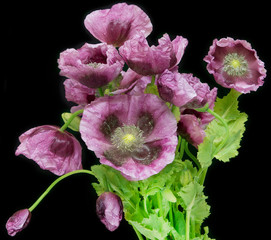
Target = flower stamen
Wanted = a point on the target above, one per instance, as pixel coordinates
(127, 138)
(235, 65)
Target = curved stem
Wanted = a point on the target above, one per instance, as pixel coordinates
(180, 148)
(37, 202)
(221, 145)
(187, 151)
(63, 128)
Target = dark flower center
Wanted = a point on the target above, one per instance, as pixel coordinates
(128, 141)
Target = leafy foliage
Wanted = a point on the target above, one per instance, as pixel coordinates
(156, 207)
(227, 109)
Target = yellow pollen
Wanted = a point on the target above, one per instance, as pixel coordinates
(235, 63)
(128, 138)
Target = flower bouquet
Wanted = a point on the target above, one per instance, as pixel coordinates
(154, 129)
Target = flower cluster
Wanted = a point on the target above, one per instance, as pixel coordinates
(136, 108)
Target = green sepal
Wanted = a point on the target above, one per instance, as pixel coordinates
(75, 123)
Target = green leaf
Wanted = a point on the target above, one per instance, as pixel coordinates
(193, 199)
(227, 108)
(179, 222)
(158, 182)
(75, 123)
(168, 195)
(153, 227)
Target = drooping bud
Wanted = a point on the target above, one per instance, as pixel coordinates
(18, 221)
(109, 209)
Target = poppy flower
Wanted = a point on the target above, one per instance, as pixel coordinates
(118, 24)
(93, 65)
(133, 134)
(146, 60)
(234, 64)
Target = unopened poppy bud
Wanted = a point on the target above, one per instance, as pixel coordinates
(109, 209)
(18, 221)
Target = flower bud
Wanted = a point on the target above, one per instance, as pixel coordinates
(18, 221)
(109, 209)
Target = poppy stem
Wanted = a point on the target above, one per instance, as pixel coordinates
(37, 202)
(75, 114)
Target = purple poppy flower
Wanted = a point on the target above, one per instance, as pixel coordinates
(93, 65)
(118, 24)
(109, 209)
(193, 123)
(58, 152)
(174, 88)
(132, 83)
(234, 64)
(203, 93)
(146, 60)
(133, 134)
(18, 221)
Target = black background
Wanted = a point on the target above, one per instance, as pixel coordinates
(32, 94)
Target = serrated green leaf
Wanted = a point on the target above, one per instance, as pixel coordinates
(153, 227)
(193, 199)
(227, 108)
